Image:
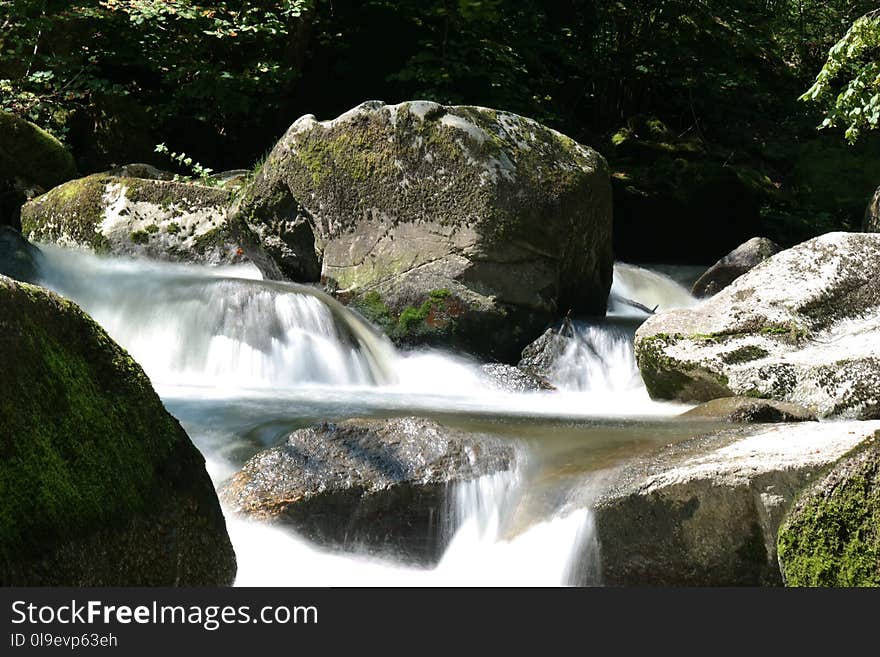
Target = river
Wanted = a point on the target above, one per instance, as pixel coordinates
(241, 362)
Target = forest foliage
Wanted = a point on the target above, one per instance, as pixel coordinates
(584, 67)
(221, 80)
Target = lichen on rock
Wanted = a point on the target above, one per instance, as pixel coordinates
(802, 327)
(149, 217)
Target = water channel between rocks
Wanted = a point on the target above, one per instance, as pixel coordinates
(242, 362)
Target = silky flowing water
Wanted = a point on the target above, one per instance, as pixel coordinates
(241, 362)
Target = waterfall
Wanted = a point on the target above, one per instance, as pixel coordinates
(479, 553)
(222, 327)
(650, 289)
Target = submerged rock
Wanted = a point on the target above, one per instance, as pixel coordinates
(31, 161)
(802, 327)
(832, 535)
(19, 259)
(706, 512)
(381, 486)
(508, 219)
(100, 485)
(152, 217)
(750, 410)
(733, 265)
(508, 378)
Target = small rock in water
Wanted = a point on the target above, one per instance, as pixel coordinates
(749, 410)
(541, 356)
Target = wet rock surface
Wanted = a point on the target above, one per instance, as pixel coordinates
(706, 512)
(750, 411)
(377, 486)
(508, 378)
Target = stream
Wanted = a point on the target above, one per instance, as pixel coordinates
(241, 362)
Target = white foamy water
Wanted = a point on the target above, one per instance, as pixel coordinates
(649, 288)
(478, 554)
(244, 361)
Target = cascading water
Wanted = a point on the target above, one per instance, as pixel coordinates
(242, 362)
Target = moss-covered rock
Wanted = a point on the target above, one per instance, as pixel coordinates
(151, 217)
(512, 217)
(31, 160)
(832, 535)
(802, 327)
(99, 485)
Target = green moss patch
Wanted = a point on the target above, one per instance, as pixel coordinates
(73, 210)
(832, 537)
(83, 432)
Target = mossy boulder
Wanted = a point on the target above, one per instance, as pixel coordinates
(151, 217)
(513, 218)
(381, 486)
(99, 485)
(802, 327)
(831, 537)
(31, 161)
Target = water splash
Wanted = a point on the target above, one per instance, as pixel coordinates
(478, 554)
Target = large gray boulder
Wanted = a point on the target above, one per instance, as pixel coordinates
(733, 265)
(150, 217)
(99, 485)
(832, 535)
(707, 512)
(381, 486)
(509, 219)
(802, 327)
